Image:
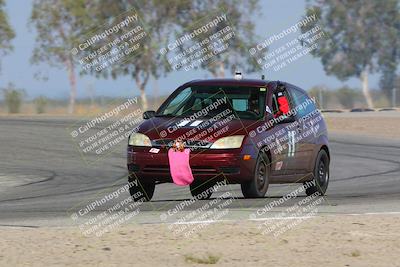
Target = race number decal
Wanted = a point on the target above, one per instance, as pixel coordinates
(278, 165)
(291, 143)
(279, 147)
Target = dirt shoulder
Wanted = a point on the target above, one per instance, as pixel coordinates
(383, 126)
(341, 240)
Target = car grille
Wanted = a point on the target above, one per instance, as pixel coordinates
(165, 169)
(229, 170)
(188, 143)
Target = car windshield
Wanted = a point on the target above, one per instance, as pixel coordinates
(208, 101)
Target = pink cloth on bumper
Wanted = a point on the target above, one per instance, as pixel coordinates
(179, 167)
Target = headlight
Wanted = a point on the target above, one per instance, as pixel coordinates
(138, 139)
(228, 142)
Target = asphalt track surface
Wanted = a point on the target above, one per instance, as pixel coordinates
(43, 178)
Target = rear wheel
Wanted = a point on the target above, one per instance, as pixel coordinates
(258, 186)
(140, 190)
(319, 184)
(201, 189)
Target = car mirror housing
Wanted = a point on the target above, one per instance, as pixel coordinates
(288, 119)
(149, 114)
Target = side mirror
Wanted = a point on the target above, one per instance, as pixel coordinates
(149, 114)
(289, 119)
(274, 121)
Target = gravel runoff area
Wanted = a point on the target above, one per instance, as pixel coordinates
(373, 124)
(342, 240)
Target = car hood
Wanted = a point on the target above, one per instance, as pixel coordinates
(174, 128)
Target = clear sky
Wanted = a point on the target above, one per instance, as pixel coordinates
(276, 15)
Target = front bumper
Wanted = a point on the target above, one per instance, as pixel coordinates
(207, 164)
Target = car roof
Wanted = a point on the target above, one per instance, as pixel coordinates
(241, 82)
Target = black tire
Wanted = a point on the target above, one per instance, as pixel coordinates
(320, 176)
(201, 189)
(258, 186)
(143, 191)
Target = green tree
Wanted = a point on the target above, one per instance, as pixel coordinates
(156, 17)
(6, 32)
(237, 56)
(387, 81)
(347, 96)
(13, 98)
(40, 103)
(164, 20)
(361, 36)
(58, 24)
(396, 86)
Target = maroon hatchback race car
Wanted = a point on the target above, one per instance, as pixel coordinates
(242, 131)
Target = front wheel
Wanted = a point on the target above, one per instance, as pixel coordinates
(258, 186)
(140, 190)
(320, 181)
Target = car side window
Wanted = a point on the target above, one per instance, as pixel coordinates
(281, 102)
(301, 99)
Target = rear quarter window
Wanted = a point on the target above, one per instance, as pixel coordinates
(302, 99)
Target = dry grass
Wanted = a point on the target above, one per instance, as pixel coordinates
(355, 253)
(209, 259)
(386, 127)
(82, 110)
